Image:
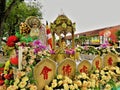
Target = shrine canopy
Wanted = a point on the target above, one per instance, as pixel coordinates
(62, 25)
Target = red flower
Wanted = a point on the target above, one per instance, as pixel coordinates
(10, 44)
(14, 60)
(12, 40)
(8, 76)
(1, 82)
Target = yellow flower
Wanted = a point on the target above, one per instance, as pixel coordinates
(54, 81)
(46, 87)
(93, 83)
(102, 82)
(92, 76)
(69, 81)
(54, 85)
(24, 79)
(60, 83)
(28, 69)
(79, 83)
(23, 89)
(17, 80)
(12, 87)
(75, 85)
(79, 76)
(31, 61)
(59, 76)
(20, 74)
(112, 73)
(89, 84)
(72, 87)
(66, 87)
(104, 77)
(84, 76)
(117, 70)
(97, 71)
(85, 83)
(108, 87)
(102, 72)
(22, 84)
(33, 87)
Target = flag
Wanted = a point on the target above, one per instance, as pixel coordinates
(49, 36)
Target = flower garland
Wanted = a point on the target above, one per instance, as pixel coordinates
(97, 80)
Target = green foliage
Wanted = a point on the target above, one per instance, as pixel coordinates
(82, 39)
(118, 34)
(18, 14)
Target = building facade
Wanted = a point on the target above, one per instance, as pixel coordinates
(99, 36)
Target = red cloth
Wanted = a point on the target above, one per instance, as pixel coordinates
(49, 37)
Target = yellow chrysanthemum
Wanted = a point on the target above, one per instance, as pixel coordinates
(22, 84)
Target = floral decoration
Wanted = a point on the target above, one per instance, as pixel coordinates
(11, 41)
(104, 79)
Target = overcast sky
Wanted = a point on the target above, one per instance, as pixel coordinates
(88, 14)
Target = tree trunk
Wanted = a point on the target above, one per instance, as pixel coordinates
(2, 9)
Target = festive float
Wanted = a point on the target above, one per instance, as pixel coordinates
(34, 64)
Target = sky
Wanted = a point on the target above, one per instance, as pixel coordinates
(87, 14)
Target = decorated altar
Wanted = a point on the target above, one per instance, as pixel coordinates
(33, 66)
